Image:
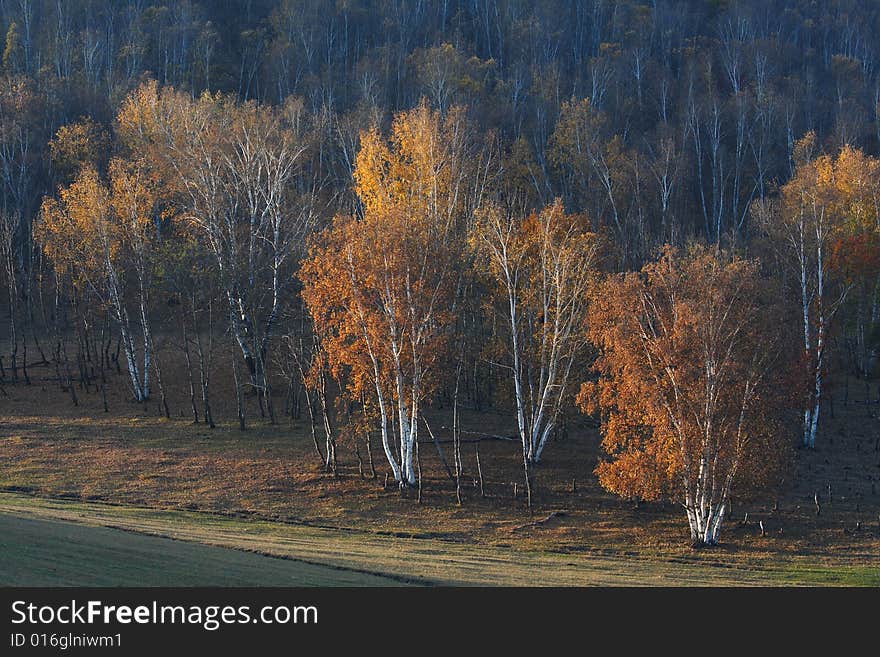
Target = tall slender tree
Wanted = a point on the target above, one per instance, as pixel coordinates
(540, 269)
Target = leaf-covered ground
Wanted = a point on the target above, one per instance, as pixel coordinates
(270, 475)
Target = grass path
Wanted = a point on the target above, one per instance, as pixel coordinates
(366, 556)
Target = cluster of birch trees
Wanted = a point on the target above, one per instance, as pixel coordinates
(440, 284)
(368, 211)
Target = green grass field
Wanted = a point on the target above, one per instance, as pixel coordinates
(59, 542)
(61, 553)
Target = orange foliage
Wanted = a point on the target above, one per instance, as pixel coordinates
(380, 288)
(686, 372)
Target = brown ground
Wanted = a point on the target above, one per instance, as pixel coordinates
(133, 456)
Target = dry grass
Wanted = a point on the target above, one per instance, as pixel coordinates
(428, 560)
(133, 456)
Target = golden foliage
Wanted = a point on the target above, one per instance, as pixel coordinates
(685, 375)
(94, 229)
(78, 144)
(380, 287)
(76, 230)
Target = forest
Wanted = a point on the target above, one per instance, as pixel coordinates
(653, 222)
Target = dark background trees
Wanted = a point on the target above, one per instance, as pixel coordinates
(727, 87)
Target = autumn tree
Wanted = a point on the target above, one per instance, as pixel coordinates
(830, 200)
(381, 287)
(77, 144)
(855, 258)
(539, 269)
(12, 51)
(237, 170)
(102, 235)
(688, 359)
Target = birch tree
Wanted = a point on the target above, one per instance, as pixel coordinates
(237, 170)
(687, 367)
(826, 194)
(101, 234)
(855, 257)
(540, 269)
(381, 287)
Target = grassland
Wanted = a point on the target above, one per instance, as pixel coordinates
(263, 490)
(82, 549)
(38, 552)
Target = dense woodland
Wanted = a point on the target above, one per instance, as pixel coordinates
(664, 216)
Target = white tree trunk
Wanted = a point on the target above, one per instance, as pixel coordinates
(820, 343)
(127, 341)
(148, 347)
(408, 436)
(130, 359)
(814, 417)
(383, 418)
(705, 521)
